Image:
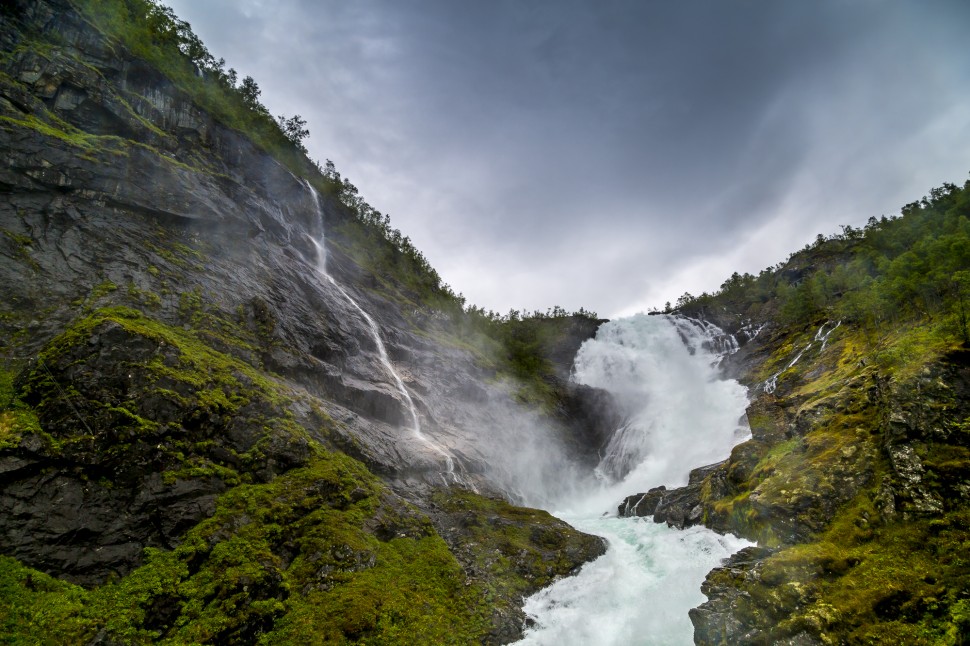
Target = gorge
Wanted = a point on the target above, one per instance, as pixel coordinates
(678, 413)
(237, 407)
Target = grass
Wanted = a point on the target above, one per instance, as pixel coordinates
(16, 419)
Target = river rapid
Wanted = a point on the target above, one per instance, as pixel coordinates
(679, 414)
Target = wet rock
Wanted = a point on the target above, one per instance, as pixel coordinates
(591, 416)
(681, 507)
(522, 550)
(909, 478)
(563, 347)
(642, 504)
(723, 619)
(160, 290)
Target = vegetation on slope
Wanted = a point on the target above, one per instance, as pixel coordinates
(320, 555)
(302, 545)
(210, 490)
(150, 32)
(905, 271)
(857, 477)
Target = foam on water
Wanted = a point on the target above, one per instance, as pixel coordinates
(638, 593)
(680, 415)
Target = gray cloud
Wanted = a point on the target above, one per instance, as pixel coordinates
(612, 155)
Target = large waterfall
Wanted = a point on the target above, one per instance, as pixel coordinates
(680, 414)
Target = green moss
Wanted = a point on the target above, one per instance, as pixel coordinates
(103, 289)
(143, 297)
(321, 554)
(190, 302)
(22, 245)
(199, 365)
(414, 593)
(38, 609)
(198, 390)
(153, 36)
(16, 418)
(289, 562)
(851, 570)
(517, 550)
(59, 129)
(20, 240)
(910, 581)
(905, 351)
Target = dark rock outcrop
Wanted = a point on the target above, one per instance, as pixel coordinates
(491, 538)
(720, 620)
(593, 416)
(680, 507)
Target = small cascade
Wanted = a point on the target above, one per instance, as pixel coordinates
(749, 331)
(450, 476)
(771, 383)
(824, 338)
(698, 334)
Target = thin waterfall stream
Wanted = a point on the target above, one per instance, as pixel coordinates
(449, 476)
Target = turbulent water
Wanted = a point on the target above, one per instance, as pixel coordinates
(680, 415)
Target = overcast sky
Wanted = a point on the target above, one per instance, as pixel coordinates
(613, 154)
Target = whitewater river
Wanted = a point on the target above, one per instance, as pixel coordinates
(680, 415)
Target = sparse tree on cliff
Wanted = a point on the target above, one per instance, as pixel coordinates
(294, 129)
(249, 91)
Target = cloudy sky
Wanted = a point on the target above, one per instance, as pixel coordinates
(612, 154)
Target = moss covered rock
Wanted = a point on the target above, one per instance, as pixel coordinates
(854, 483)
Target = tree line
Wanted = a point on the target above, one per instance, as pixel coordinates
(914, 266)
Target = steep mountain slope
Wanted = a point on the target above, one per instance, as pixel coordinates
(197, 424)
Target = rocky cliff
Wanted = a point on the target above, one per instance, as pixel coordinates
(856, 480)
(200, 440)
(856, 485)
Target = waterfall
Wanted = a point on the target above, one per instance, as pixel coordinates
(698, 334)
(663, 372)
(771, 383)
(680, 414)
(449, 476)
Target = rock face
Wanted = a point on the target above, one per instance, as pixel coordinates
(169, 341)
(681, 507)
(514, 549)
(851, 482)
